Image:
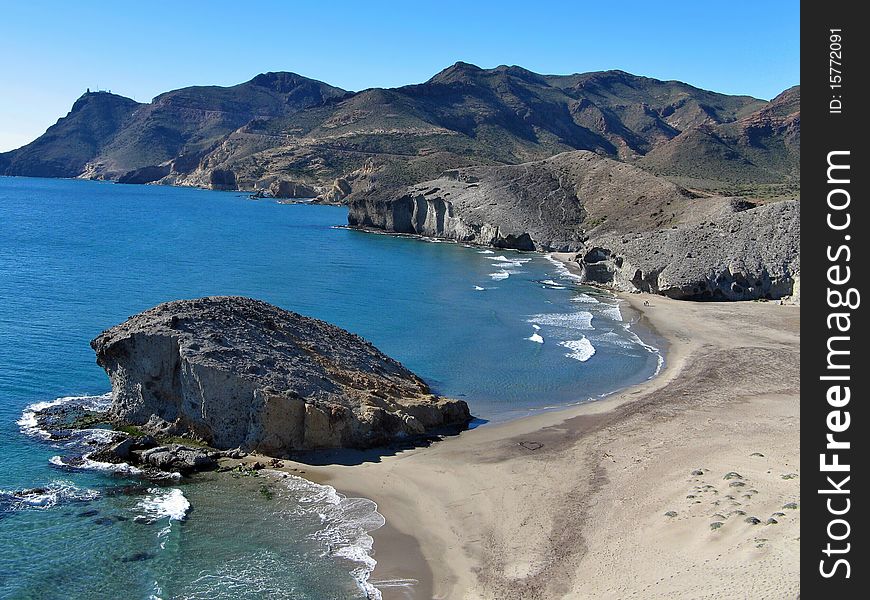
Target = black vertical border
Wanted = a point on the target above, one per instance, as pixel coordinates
(822, 132)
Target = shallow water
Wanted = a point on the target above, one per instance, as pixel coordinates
(510, 332)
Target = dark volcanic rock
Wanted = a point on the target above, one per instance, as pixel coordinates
(128, 450)
(746, 255)
(222, 179)
(146, 174)
(176, 457)
(291, 189)
(237, 372)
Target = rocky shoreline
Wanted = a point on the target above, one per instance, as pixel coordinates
(627, 229)
(233, 372)
(99, 442)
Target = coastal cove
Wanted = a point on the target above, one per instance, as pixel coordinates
(77, 257)
(692, 473)
(445, 301)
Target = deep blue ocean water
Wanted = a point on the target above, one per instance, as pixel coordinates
(509, 332)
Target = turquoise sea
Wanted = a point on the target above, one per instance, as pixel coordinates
(509, 332)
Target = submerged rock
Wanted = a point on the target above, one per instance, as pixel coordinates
(240, 373)
(182, 459)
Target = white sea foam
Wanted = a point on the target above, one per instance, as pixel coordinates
(636, 339)
(535, 327)
(156, 591)
(508, 265)
(536, 337)
(163, 503)
(485, 252)
(614, 339)
(97, 465)
(584, 299)
(248, 575)
(581, 349)
(499, 275)
(97, 436)
(505, 259)
(346, 526)
(55, 493)
(87, 464)
(574, 320)
(610, 311)
(549, 284)
(561, 269)
(29, 424)
(408, 584)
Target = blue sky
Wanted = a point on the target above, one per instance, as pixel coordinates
(50, 51)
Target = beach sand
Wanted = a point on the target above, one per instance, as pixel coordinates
(616, 498)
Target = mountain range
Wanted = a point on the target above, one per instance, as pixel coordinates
(283, 128)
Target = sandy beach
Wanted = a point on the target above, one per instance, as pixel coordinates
(683, 487)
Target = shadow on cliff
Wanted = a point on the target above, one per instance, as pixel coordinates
(350, 456)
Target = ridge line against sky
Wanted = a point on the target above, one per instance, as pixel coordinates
(55, 50)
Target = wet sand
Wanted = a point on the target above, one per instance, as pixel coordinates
(643, 494)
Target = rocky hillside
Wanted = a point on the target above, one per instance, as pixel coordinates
(66, 147)
(281, 129)
(542, 205)
(761, 147)
(171, 132)
(237, 372)
(741, 253)
(629, 228)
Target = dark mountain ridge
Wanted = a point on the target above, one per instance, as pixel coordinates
(66, 147)
(282, 127)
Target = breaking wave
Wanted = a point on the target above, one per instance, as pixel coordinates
(574, 320)
(29, 422)
(38, 498)
(346, 526)
(163, 504)
(581, 349)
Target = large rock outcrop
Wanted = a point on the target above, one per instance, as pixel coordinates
(745, 255)
(541, 205)
(630, 229)
(237, 372)
(283, 188)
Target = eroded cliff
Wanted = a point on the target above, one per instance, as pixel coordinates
(237, 372)
(630, 229)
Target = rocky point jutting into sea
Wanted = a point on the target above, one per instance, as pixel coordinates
(657, 185)
(627, 229)
(236, 372)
